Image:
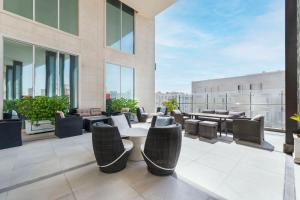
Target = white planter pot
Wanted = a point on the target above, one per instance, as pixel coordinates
(44, 126)
(296, 149)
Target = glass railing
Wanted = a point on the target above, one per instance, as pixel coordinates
(269, 103)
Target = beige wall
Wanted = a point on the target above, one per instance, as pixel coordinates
(90, 47)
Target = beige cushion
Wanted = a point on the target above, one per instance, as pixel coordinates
(257, 118)
(96, 111)
(83, 112)
(61, 114)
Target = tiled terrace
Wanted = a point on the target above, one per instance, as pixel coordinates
(66, 169)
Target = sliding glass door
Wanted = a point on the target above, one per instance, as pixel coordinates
(50, 73)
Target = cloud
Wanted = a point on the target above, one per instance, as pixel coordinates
(199, 47)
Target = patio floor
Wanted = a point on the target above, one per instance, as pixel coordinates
(66, 169)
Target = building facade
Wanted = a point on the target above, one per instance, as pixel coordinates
(88, 50)
(262, 81)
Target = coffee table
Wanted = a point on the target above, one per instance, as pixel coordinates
(89, 121)
(138, 137)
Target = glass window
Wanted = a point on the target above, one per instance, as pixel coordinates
(113, 24)
(20, 7)
(127, 29)
(46, 12)
(68, 16)
(119, 26)
(112, 80)
(17, 64)
(45, 72)
(68, 78)
(119, 82)
(127, 82)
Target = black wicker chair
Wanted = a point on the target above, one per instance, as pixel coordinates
(68, 126)
(162, 110)
(159, 121)
(141, 114)
(251, 130)
(10, 133)
(162, 148)
(110, 150)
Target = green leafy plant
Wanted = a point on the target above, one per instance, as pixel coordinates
(40, 108)
(9, 105)
(118, 104)
(295, 117)
(171, 104)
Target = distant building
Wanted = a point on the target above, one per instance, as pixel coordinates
(262, 81)
(181, 97)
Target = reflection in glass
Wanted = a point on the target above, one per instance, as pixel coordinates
(127, 82)
(112, 81)
(20, 7)
(68, 78)
(68, 16)
(45, 72)
(113, 24)
(17, 70)
(46, 12)
(127, 29)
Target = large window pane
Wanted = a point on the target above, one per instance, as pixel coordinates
(68, 16)
(113, 24)
(17, 70)
(46, 12)
(45, 72)
(68, 78)
(127, 29)
(127, 82)
(112, 81)
(20, 7)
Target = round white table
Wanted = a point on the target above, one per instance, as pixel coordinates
(138, 137)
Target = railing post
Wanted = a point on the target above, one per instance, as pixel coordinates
(207, 101)
(192, 101)
(250, 104)
(282, 111)
(226, 101)
(179, 102)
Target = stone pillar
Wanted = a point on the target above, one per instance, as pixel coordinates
(291, 77)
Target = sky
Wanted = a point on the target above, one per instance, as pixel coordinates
(208, 39)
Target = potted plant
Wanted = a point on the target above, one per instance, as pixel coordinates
(39, 112)
(128, 106)
(171, 104)
(296, 140)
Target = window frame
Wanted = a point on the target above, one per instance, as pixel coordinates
(58, 52)
(120, 78)
(40, 23)
(121, 26)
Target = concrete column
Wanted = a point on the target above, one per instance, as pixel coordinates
(291, 71)
(1, 4)
(1, 76)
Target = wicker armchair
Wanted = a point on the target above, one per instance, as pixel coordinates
(251, 130)
(110, 150)
(141, 114)
(179, 117)
(162, 110)
(162, 148)
(67, 126)
(10, 133)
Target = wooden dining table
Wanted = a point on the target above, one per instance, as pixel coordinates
(212, 117)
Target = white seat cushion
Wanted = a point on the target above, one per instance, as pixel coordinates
(120, 121)
(142, 147)
(128, 145)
